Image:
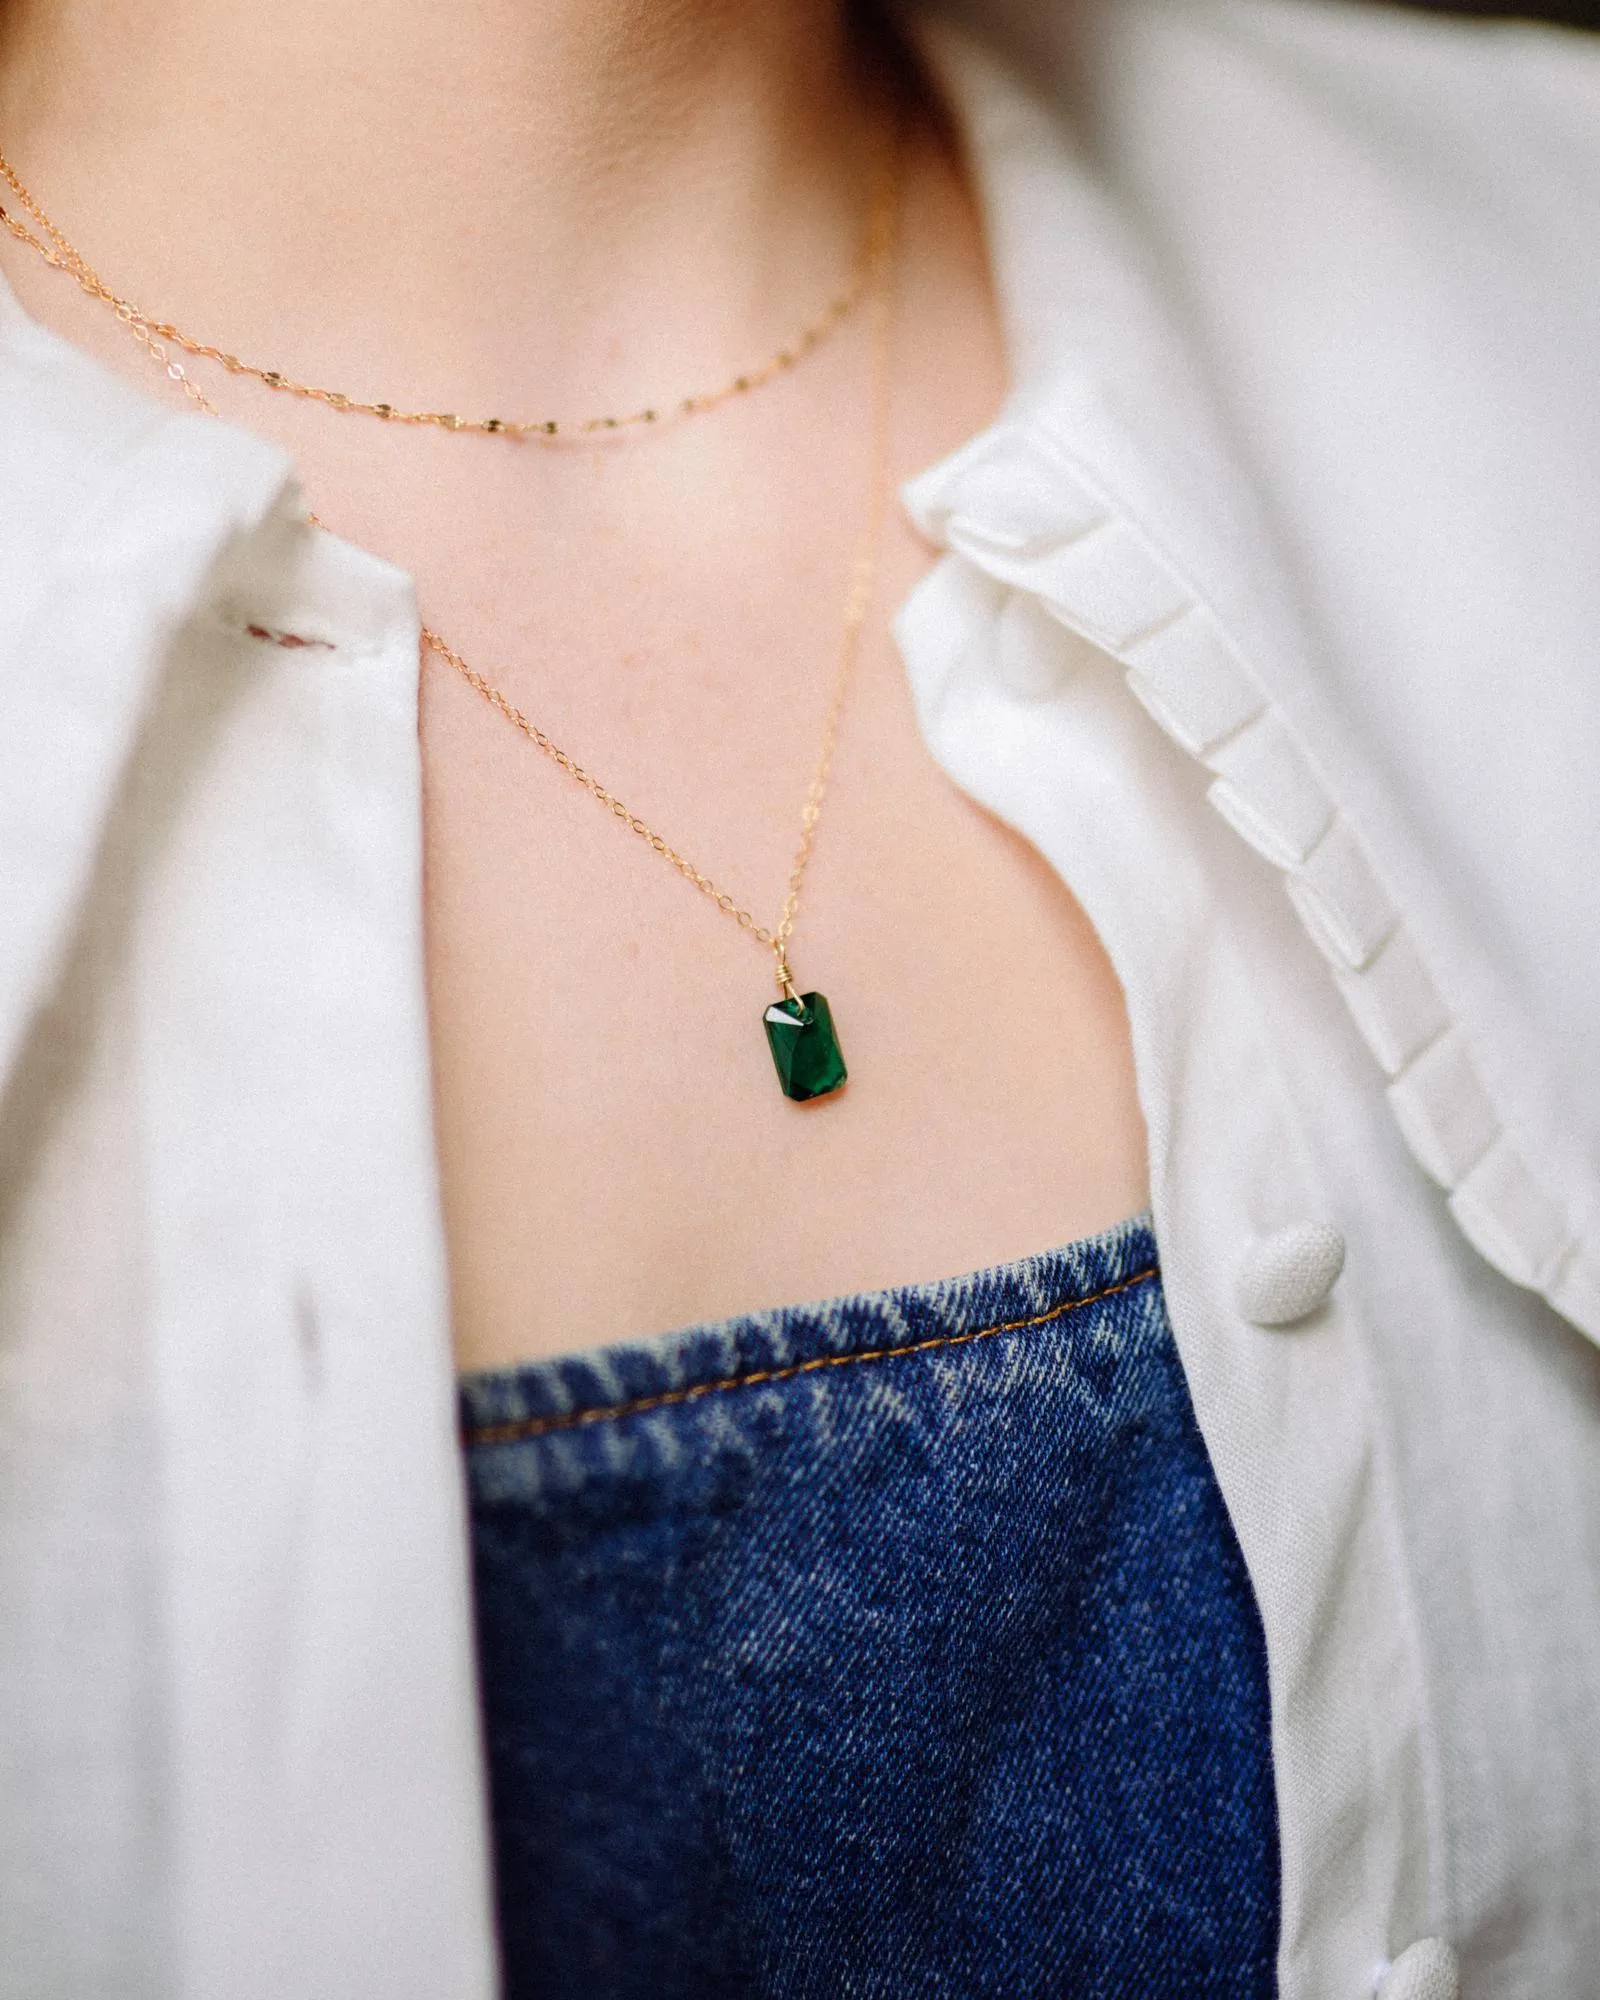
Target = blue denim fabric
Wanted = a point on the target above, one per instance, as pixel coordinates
(896, 1646)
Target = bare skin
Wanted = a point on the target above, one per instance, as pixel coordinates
(573, 206)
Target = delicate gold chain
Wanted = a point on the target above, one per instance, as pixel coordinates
(878, 282)
(58, 251)
(858, 603)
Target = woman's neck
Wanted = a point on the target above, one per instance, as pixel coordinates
(497, 197)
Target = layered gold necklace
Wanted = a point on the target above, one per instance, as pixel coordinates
(799, 1026)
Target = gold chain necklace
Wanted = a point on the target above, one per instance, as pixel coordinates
(55, 249)
(799, 1026)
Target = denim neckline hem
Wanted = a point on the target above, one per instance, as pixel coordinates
(521, 1404)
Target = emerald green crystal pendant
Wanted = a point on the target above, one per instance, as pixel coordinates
(804, 1046)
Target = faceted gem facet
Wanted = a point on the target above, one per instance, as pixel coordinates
(804, 1046)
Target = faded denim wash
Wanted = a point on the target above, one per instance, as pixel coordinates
(898, 1646)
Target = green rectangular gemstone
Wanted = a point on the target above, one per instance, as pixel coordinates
(804, 1046)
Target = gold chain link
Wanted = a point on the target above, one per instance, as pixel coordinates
(876, 279)
(858, 602)
(56, 250)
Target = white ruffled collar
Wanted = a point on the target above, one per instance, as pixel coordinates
(1108, 491)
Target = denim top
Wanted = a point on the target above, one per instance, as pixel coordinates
(897, 1645)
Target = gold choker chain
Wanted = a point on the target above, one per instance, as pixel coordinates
(799, 1027)
(52, 245)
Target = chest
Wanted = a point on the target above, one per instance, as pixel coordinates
(617, 1155)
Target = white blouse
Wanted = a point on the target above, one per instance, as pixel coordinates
(1270, 614)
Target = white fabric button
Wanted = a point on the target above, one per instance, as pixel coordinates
(1426, 1970)
(1288, 1274)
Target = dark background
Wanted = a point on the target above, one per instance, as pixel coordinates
(1575, 13)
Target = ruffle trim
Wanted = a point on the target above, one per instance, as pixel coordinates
(1025, 515)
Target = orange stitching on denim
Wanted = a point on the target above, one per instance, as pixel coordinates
(517, 1431)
